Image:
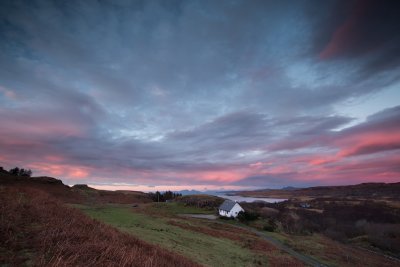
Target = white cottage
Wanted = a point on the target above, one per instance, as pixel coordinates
(230, 209)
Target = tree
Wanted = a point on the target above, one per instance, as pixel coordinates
(29, 173)
(20, 172)
(14, 171)
(162, 197)
(245, 216)
(25, 173)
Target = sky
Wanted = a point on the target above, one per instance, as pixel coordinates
(206, 95)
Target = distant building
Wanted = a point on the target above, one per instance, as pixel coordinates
(305, 205)
(230, 209)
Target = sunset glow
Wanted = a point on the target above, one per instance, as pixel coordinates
(205, 95)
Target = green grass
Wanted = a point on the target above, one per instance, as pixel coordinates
(202, 248)
(176, 208)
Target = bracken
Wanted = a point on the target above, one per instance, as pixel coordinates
(37, 229)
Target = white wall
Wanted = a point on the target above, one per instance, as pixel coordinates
(233, 212)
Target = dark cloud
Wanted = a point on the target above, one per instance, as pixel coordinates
(375, 148)
(274, 181)
(199, 91)
(366, 29)
(235, 129)
(386, 120)
(379, 133)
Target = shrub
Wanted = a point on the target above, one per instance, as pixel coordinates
(270, 226)
(226, 218)
(20, 172)
(384, 236)
(246, 216)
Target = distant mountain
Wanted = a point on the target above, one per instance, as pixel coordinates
(364, 190)
(206, 192)
(290, 188)
(189, 192)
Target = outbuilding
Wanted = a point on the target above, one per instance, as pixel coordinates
(229, 209)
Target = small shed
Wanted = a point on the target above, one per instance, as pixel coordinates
(229, 209)
(305, 205)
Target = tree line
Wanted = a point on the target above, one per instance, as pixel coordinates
(162, 197)
(18, 171)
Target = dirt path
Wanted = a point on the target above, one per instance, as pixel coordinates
(277, 243)
(200, 216)
(304, 258)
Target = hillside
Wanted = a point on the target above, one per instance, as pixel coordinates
(46, 223)
(200, 201)
(80, 193)
(39, 227)
(104, 196)
(36, 229)
(364, 190)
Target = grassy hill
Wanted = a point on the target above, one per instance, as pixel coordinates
(43, 223)
(46, 223)
(76, 194)
(207, 242)
(36, 229)
(103, 196)
(201, 201)
(366, 190)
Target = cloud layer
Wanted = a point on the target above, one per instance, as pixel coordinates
(200, 94)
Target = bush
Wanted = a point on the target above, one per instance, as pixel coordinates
(226, 218)
(163, 197)
(335, 234)
(268, 213)
(384, 236)
(21, 172)
(245, 216)
(270, 226)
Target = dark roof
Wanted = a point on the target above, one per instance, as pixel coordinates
(227, 205)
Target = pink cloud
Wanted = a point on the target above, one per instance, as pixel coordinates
(341, 40)
(347, 35)
(60, 170)
(369, 142)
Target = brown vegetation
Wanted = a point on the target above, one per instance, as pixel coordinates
(91, 195)
(374, 225)
(365, 190)
(76, 194)
(244, 238)
(338, 254)
(231, 233)
(37, 229)
(201, 201)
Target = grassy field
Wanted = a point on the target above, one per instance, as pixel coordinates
(38, 230)
(173, 209)
(333, 253)
(203, 248)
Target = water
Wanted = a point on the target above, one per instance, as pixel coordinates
(251, 199)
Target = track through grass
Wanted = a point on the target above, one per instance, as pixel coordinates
(205, 249)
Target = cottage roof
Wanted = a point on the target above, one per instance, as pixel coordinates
(227, 205)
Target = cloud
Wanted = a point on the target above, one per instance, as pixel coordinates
(378, 132)
(189, 92)
(381, 132)
(366, 29)
(273, 181)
